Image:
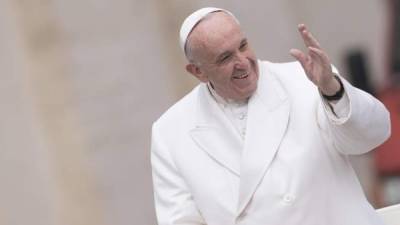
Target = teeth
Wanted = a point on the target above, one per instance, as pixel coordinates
(241, 76)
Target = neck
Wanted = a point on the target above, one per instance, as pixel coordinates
(224, 100)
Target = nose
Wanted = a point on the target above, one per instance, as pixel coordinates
(240, 61)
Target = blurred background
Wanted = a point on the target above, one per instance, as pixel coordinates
(82, 81)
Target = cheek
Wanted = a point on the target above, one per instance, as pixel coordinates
(224, 74)
(250, 54)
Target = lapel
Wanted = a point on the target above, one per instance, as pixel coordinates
(268, 116)
(215, 134)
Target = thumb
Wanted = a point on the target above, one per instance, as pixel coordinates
(299, 56)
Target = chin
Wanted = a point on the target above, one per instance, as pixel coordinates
(247, 94)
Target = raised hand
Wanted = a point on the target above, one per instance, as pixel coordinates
(316, 63)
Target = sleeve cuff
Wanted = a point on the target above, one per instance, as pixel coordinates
(341, 108)
(337, 111)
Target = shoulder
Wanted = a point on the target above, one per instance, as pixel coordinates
(291, 75)
(287, 70)
(282, 66)
(180, 112)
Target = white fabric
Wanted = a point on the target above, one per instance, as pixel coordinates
(292, 168)
(191, 22)
(235, 111)
(390, 214)
(340, 108)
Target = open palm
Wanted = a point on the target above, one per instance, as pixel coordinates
(316, 63)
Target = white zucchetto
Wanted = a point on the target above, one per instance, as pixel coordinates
(191, 21)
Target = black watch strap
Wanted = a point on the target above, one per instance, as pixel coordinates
(338, 95)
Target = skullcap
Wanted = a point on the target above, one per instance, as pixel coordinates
(192, 20)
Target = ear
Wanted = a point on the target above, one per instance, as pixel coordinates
(196, 71)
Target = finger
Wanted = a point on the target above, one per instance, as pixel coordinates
(299, 55)
(315, 56)
(302, 58)
(320, 56)
(308, 38)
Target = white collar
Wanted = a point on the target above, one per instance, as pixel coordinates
(223, 101)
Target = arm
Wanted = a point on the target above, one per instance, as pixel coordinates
(173, 202)
(365, 123)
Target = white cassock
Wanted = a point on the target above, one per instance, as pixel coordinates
(291, 167)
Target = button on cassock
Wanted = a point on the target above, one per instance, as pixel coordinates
(288, 198)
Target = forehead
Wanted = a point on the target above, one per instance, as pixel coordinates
(216, 32)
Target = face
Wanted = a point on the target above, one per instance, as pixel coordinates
(221, 55)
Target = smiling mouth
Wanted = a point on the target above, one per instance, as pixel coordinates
(242, 76)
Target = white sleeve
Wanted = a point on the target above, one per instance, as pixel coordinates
(173, 201)
(358, 125)
(340, 109)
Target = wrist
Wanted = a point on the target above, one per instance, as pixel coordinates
(331, 86)
(335, 91)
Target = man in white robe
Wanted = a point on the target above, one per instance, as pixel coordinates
(257, 142)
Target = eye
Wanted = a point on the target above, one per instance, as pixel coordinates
(243, 46)
(225, 58)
